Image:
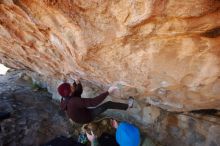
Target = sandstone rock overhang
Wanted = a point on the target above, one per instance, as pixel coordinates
(164, 52)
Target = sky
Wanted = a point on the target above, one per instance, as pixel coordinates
(3, 69)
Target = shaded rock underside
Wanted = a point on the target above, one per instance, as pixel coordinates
(35, 119)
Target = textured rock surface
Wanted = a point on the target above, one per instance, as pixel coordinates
(186, 130)
(165, 52)
(34, 119)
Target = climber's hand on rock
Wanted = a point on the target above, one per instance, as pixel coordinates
(112, 89)
(77, 80)
(91, 137)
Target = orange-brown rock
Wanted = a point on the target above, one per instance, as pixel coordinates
(165, 52)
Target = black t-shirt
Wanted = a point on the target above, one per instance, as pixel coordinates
(107, 140)
(63, 141)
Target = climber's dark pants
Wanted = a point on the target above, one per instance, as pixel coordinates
(108, 105)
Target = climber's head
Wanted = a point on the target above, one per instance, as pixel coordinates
(66, 89)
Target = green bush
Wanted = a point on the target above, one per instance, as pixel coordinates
(36, 86)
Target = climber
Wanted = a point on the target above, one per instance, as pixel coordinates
(80, 109)
(126, 135)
